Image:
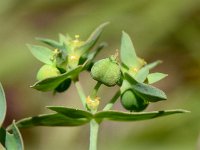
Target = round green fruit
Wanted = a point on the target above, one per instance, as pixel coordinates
(132, 102)
(106, 71)
(47, 71)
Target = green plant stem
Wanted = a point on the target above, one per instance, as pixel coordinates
(95, 90)
(94, 128)
(112, 101)
(80, 92)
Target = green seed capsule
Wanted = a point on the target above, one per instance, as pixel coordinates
(47, 71)
(106, 71)
(132, 102)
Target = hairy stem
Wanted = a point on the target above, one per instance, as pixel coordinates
(94, 128)
(112, 101)
(80, 92)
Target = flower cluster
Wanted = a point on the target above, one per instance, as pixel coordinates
(72, 55)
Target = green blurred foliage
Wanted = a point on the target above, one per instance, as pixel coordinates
(168, 30)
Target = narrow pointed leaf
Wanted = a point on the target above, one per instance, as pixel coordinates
(53, 82)
(92, 38)
(126, 116)
(90, 57)
(125, 85)
(70, 112)
(127, 52)
(155, 77)
(62, 38)
(65, 40)
(43, 54)
(145, 91)
(14, 141)
(50, 42)
(55, 119)
(153, 64)
(2, 105)
(142, 74)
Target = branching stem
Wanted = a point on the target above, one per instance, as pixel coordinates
(112, 101)
(80, 92)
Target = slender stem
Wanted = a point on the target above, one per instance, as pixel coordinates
(94, 128)
(112, 101)
(95, 90)
(80, 92)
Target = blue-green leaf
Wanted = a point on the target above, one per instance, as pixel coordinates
(127, 52)
(2, 105)
(90, 42)
(14, 141)
(145, 91)
(62, 38)
(125, 85)
(43, 54)
(52, 83)
(70, 112)
(155, 77)
(90, 57)
(54, 119)
(142, 74)
(153, 64)
(127, 116)
(50, 42)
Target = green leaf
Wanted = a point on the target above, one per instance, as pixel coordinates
(2, 105)
(70, 112)
(53, 82)
(127, 116)
(145, 91)
(54, 119)
(90, 42)
(127, 52)
(50, 42)
(125, 85)
(14, 141)
(155, 77)
(62, 38)
(153, 64)
(90, 57)
(65, 41)
(43, 54)
(142, 74)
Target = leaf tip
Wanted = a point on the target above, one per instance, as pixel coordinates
(106, 23)
(184, 111)
(123, 32)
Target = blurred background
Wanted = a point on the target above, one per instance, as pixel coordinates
(167, 30)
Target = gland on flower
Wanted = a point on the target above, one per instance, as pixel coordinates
(47, 71)
(73, 60)
(132, 102)
(92, 104)
(77, 43)
(106, 71)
